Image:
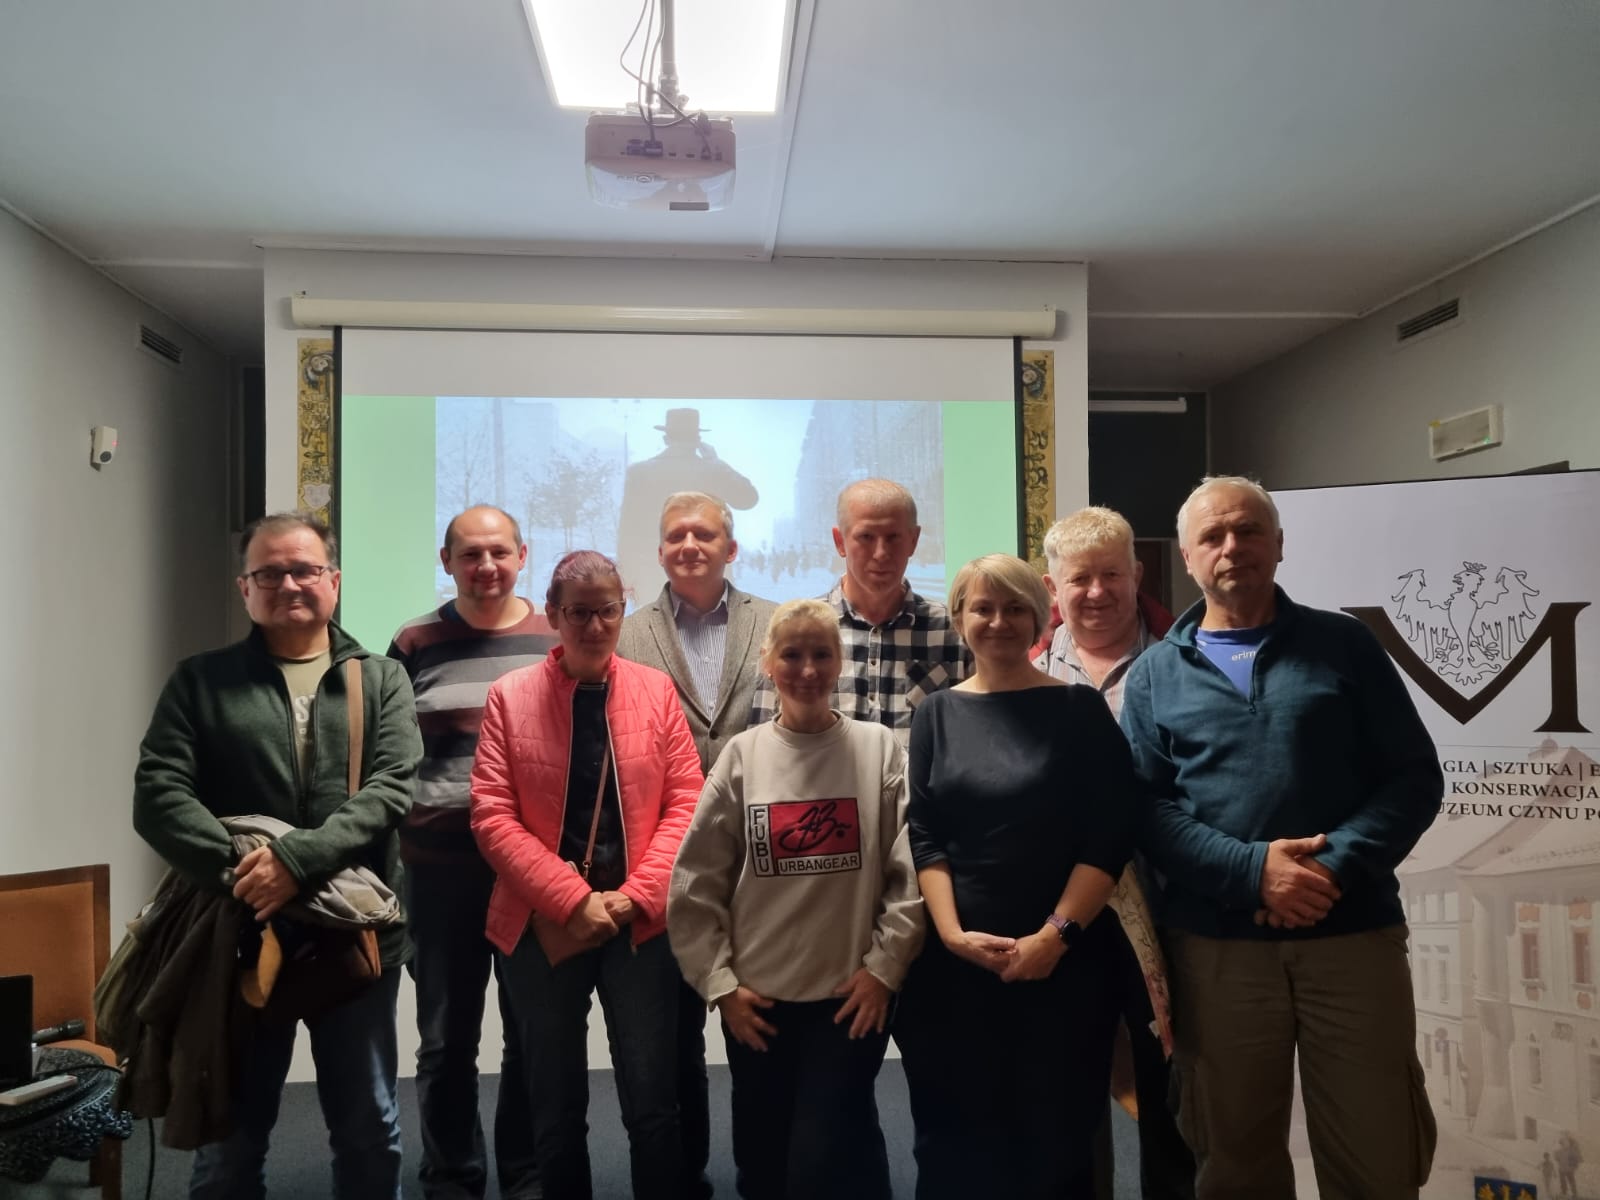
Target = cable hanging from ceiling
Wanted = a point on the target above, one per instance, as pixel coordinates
(662, 48)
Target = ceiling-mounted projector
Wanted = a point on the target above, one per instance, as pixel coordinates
(682, 165)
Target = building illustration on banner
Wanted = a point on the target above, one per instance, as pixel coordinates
(1500, 894)
(1500, 899)
(1503, 653)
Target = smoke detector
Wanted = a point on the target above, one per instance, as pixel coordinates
(666, 164)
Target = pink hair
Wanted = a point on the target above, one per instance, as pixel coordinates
(581, 566)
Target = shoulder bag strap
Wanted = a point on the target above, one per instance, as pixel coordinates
(594, 821)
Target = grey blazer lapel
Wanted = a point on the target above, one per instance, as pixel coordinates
(671, 650)
(741, 630)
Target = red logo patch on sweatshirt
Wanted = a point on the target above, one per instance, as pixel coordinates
(806, 837)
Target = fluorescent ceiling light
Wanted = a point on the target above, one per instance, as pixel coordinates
(1178, 405)
(730, 52)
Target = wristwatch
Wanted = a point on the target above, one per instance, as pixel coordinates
(1066, 929)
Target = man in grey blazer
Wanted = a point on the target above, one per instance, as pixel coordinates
(706, 634)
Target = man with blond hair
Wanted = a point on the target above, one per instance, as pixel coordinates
(1287, 774)
(687, 462)
(1106, 623)
(706, 634)
(898, 647)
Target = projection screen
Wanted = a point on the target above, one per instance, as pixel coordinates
(580, 437)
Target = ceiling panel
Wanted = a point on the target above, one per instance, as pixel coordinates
(1232, 156)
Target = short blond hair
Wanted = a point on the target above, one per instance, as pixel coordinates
(1008, 574)
(1085, 531)
(792, 613)
(695, 501)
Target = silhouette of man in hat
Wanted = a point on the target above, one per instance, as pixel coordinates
(687, 464)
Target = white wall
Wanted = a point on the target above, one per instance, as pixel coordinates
(788, 283)
(1351, 407)
(111, 575)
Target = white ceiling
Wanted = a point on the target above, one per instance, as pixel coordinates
(1299, 162)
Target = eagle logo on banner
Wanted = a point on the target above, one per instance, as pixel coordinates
(1472, 630)
(1464, 644)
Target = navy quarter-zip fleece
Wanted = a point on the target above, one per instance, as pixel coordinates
(1328, 741)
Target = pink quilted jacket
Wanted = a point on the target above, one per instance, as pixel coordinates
(519, 791)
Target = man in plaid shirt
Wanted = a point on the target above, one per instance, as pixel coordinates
(898, 647)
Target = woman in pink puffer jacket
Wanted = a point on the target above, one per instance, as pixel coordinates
(585, 781)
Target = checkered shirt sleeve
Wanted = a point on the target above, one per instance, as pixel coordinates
(888, 669)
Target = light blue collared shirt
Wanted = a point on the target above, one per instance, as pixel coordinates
(703, 638)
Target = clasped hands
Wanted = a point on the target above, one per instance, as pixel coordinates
(1297, 891)
(866, 1006)
(1013, 959)
(600, 917)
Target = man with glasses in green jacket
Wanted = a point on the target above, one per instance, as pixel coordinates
(261, 727)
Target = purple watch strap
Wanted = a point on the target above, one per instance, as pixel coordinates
(1066, 928)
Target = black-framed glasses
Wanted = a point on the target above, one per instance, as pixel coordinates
(305, 574)
(579, 615)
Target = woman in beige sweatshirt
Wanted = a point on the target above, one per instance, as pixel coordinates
(794, 910)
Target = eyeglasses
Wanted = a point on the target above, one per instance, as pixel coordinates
(579, 615)
(305, 574)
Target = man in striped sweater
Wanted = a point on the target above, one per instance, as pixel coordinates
(452, 655)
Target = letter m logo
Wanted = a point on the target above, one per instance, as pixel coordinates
(1559, 627)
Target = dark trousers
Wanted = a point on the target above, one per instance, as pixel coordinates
(638, 990)
(805, 1116)
(447, 905)
(1166, 1165)
(694, 1097)
(354, 1048)
(1008, 1081)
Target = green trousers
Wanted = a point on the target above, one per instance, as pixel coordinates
(1243, 1009)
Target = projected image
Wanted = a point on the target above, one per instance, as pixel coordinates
(592, 473)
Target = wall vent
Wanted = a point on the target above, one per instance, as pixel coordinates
(1437, 317)
(163, 348)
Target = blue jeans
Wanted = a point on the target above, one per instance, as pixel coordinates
(639, 996)
(447, 906)
(355, 1054)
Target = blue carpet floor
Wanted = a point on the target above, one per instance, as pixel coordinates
(297, 1168)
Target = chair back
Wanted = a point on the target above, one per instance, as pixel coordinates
(56, 926)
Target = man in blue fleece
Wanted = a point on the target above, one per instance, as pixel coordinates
(1287, 774)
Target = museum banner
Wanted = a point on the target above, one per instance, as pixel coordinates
(1486, 593)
